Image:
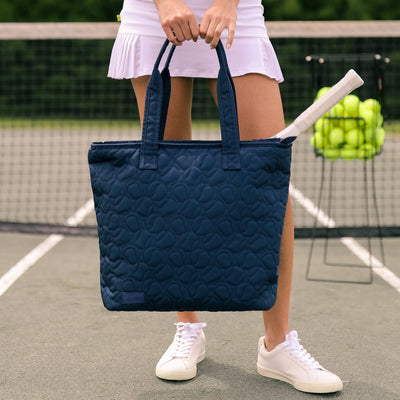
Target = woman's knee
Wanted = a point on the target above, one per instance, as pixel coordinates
(259, 103)
(260, 108)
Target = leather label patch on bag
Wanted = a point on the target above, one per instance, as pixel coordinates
(132, 297)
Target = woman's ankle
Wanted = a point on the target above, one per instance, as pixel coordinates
(188, 316)
(273, 339)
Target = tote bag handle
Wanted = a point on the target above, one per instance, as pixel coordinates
(156, 109)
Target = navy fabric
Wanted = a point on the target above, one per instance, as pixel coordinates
(190, 225)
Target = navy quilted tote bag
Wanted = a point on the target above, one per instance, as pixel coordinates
(189, 225)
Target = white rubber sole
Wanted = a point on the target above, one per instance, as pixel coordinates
(301, 386)
(179, 375)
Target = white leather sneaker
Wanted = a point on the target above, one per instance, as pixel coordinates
(180, 360)
(290, 362)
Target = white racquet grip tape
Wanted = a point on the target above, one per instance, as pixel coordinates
(313, 113)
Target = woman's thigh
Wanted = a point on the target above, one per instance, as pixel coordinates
(178, 126)
(259, 103)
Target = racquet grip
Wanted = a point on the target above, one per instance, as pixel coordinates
(313, 113)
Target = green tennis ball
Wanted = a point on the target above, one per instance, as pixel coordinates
(369, 135)
(379, 120)
(375, 136)
(369, 117)
(348, 153)
(366, 151)
(351, 105)
(318, 140)
(323, 125)
(336, 111)
(373, 105)
(348, 124)
(354, 137)
(331, 154)
(380, 135)
(321, 92)
(336, 137)
(339, 110)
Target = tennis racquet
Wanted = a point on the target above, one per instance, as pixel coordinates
(308, 117)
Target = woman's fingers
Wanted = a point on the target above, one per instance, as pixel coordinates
(194, 28)
(177, 21)
(231, 34)
(220, 16)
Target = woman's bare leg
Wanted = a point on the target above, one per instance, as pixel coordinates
(178, 126)
(260, 115)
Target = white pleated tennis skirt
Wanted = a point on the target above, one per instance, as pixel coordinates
(140, 37)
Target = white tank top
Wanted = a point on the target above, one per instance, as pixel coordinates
(141, 17)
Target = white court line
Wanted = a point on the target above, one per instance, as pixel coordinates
(355, 247)
(42, 249)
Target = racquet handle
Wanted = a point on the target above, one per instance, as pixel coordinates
(313, 113)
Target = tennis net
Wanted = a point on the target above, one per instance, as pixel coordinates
(55, 100)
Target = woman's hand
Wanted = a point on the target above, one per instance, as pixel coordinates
(177, 20)
(221, 15)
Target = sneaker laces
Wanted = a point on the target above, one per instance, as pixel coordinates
(186, 334)
(292, 344)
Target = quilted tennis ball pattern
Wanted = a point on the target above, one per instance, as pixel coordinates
(350, 130)
(186, 231)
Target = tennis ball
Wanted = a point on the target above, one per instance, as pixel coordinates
(339, 110)
(323, 125)
(354, 137)
(372, 105)
(379, 120)
(348, 153)
(318, 125)
(318, 140)
(366, 151)
(368, 116)
(375, 136)
(321, 92)
(369, 135)
(348, 124)
(336, 137)
(336, 111)
(351, 105)
(379, 136)
(331, 154)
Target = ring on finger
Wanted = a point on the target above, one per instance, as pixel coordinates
(175, 36)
